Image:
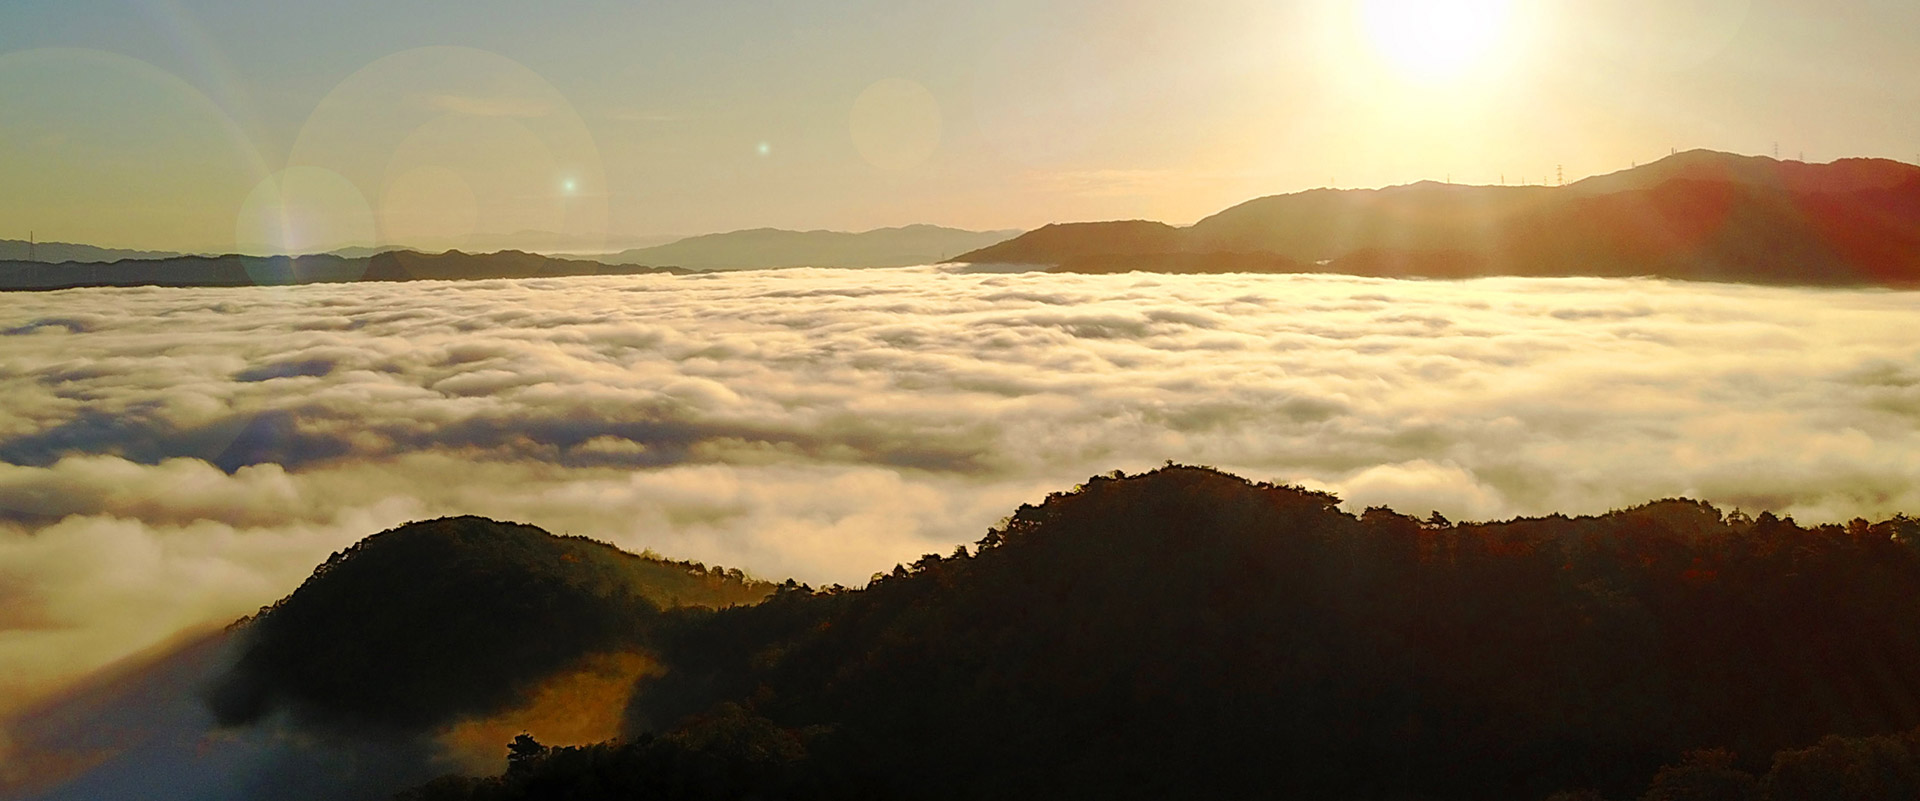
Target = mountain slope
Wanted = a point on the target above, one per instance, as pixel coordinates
(1059, 241)
(462, 616)
(1696, 215)
(1176, 634)
(1842, 176)
(1189, 634)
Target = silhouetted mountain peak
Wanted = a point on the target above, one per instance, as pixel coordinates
(1844, 175)
(1698, 215)
(450, 617)
(1057, 242)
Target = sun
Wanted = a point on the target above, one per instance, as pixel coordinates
(1436, 40)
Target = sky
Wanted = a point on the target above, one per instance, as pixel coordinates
(255, 125)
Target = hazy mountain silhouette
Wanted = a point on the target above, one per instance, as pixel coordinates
(367, 252)
(235, 270)
(755, 249)
(1697, 215)
(57, 252)
(1844, 175)
(769, 247)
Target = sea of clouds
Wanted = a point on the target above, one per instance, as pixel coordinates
(171, 459)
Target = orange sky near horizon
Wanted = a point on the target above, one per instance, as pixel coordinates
(222, 125)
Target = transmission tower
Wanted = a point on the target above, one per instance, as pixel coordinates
(30, 247)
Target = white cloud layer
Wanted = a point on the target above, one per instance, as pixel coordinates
(175, 458)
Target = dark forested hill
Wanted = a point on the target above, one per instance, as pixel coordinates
(1697, 216)
(1188, 634)
(432, 621)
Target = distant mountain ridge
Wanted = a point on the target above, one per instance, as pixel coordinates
(62, 266)
(56, 252)
(234, 270)
(1698, 215)
(762, 248)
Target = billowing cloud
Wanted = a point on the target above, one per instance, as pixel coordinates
(175, 458)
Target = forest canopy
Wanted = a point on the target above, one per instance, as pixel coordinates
(1188, 633)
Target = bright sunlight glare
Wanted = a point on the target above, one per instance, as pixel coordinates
(1435, 40)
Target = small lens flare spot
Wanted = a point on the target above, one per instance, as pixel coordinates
(764, 149)
(568, 186)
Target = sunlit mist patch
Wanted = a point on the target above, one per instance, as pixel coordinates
(576, 707)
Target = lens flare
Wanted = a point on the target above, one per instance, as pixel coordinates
(1436, 40)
